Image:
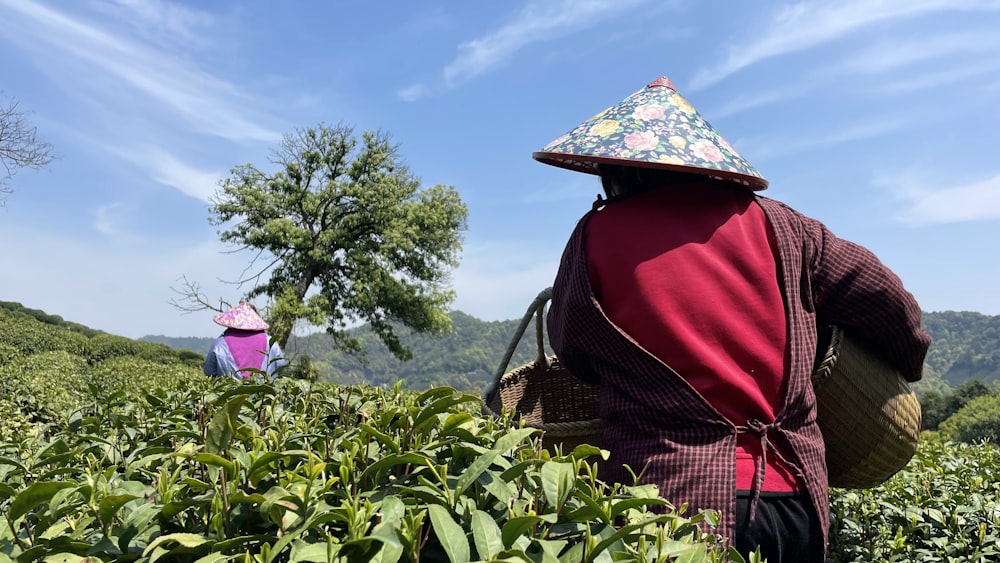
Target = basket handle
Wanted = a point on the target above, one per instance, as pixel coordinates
(536, 309)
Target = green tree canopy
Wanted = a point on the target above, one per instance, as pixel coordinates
(347, 234)
(977, 420)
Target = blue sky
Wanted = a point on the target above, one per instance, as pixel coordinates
(879, 118)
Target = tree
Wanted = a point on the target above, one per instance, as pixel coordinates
(346, 234)
(19, 146)
(977, 420)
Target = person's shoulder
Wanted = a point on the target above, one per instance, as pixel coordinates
(773, 203)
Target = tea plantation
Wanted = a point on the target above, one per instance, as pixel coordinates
(116, 450)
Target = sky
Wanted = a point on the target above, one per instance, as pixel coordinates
(880, 118)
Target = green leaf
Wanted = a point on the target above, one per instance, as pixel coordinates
(512, 439)
(245, 390)
(455, 420)
(496, 486)
(558, 479)
(14, 462)
(67, 558)
(429, 412)
(392, 547)
(624, 531)
(213, 460)
(361, 549)
(223, 426)
(110, 505)
(621, 506)
(314, 552)
(382, 438)
(182, 539)
(392, 461)
(486, 535)
(392, 510)
(450, 534)
(264, 465)
(519, 526)
(6, 491)
(216, 557)
(596, 511)
(36, 494)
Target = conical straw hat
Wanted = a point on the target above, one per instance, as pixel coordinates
(653, 128)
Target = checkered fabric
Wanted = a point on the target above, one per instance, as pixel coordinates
(657, 424)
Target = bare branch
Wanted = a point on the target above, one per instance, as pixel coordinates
(192, 300)
(19, 144)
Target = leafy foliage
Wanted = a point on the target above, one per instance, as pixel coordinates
(943, 506)
(937, 407)
(977, 421)
(109, 452)
(349, 235)
(299, 472)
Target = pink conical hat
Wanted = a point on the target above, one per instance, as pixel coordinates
(242, 317)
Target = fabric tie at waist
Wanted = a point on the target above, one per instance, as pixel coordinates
(760, 429)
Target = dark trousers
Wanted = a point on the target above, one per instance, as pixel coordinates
(785, 528)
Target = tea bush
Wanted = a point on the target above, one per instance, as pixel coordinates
(131, 459)
(943, 506)
(295, 471)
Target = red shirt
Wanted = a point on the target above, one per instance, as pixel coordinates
(655, 422)
(689, 272)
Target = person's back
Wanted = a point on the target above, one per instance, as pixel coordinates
(694, 305)
(689, 271)
(244, 348)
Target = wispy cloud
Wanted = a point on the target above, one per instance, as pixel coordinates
(885, 56)
(978, 201)
(942, 78)
(171, 171)
(541, 20)
(163, 21)
(806, 24)
(107, 218)
(745, 103)
(205, 103)
(855, 132)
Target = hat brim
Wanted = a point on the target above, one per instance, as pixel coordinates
(589, 164)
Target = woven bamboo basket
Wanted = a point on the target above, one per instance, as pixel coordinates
(546, 395)
(869, 416)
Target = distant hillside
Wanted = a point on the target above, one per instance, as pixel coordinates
(467, 358)
(966, 346)
(200, 344)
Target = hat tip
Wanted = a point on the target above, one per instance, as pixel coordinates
(662, 81)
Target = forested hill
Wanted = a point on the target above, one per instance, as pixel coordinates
(966, 346)
(466, 358)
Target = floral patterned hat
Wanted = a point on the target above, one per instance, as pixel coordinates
(241, 317)
(653, 128)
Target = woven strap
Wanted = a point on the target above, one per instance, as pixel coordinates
(536, 309)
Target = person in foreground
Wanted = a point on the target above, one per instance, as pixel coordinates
(244, 346)
(694, 303)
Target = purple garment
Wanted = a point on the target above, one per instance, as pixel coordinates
(248, 347)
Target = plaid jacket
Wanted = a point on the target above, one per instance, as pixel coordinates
(658, 425)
